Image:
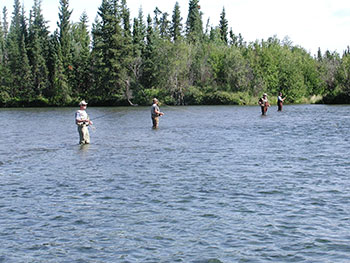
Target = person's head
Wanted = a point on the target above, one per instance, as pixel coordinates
(265, 95)
(155, 101)
(83, 104)
(280, 93)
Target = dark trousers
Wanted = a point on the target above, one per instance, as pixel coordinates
(280, 105)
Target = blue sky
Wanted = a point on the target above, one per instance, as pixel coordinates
(308, 23)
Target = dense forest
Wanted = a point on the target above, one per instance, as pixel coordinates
(125, 61)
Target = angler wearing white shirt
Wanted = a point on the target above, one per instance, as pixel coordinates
(83, 121)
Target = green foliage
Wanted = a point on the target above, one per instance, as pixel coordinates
(223, 26)
(176, 25)
(194, 24)
(221, 97)
(122, 63)
(4, 97)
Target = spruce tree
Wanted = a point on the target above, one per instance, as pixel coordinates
(5, 74)
(139, 35)
(138, 41)
(176, 25)
(194, 24)
(2, 44)
(164, 29)
(97, 63)
(126, 59)
(20, 83)
(234, 39)
(26, 90)
(3, 93)
(223, 26)
(149, 68)
(64, 54)
(64, 29)
(156, 20)
(5, 25)
(109, 50)
(24, 29)
(319, 55)
(38, 49)
(81, 57)
(59, 91)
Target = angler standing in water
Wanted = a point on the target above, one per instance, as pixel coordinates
(280, 101)
(155, 113)
(83, 121)
(264, 104)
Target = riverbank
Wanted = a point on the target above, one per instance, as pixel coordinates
(192, 98)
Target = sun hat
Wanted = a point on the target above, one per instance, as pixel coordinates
(83, 102)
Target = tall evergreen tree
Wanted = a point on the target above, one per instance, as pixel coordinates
(17, 55)
(176, 25)
(215, 35)
(149, 68)
(164, 29)
(24, 29)
(64, 54)
(223, 26)
(64, 29)
(59, 91)
(5, 74)
(96, 57)
(2, 43)
(38, 49)
(156, 20)
(3, 93)
(127, 61)
(81, 57)
(139, 35)
(319, 54)
(5, 25)
(25, 75)
(110, 50)
(194, 24)
(233, 39)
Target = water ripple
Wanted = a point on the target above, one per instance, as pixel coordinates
(238, 189)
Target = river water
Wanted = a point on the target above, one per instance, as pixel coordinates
(212, 184)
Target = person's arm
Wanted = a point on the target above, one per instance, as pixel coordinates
(158, 112)
(79, 119)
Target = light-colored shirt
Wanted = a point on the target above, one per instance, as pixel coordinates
(81, 115)
(154, 109)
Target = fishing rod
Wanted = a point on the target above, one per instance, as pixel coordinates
(102, 116)
(92, 126)
(178, 108)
